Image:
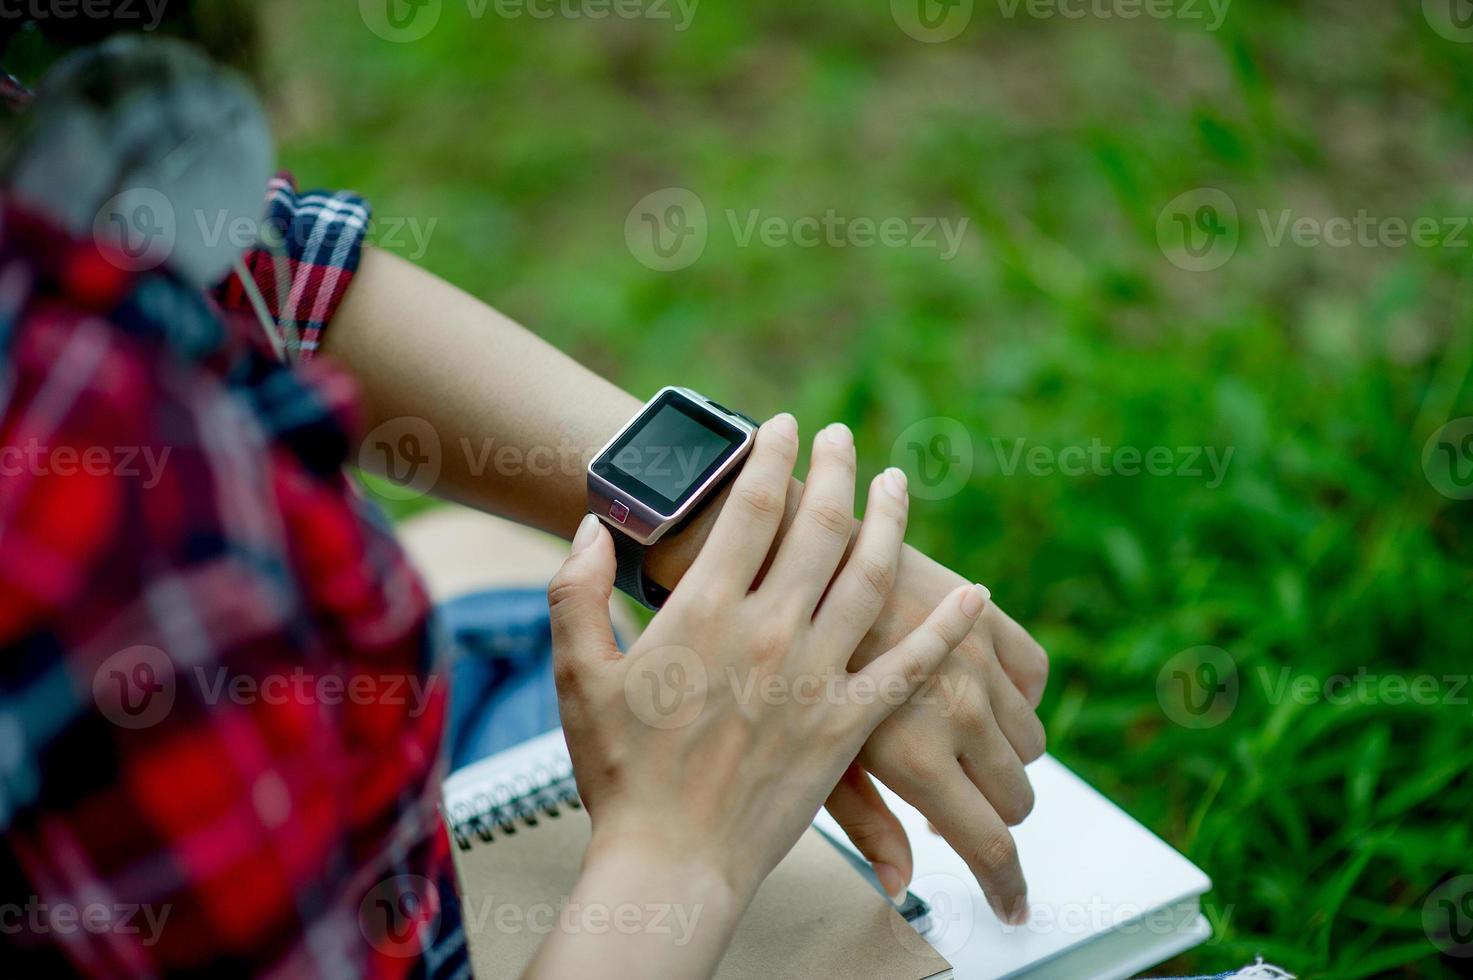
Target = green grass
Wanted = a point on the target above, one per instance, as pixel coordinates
(1324, 551)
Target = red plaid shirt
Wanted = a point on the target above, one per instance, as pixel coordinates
(219, 729)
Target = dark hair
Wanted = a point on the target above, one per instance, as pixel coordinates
(225, 29)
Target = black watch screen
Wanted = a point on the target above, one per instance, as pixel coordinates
(668, 453)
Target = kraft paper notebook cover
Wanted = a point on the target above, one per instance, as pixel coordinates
(813, 917)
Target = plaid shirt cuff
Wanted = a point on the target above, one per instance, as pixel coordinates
(311, 243)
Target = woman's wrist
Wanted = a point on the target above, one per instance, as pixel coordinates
(648, 856)
(640, 914)
(675, 914)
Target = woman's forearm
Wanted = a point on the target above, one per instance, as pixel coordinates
(515, 417)
(634, 915)
(517, 420)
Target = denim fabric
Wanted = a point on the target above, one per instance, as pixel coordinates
(501, 688)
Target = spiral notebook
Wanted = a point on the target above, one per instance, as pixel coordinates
(519, 834)
(1109, 898)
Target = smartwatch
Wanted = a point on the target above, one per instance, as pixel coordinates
(657, 472)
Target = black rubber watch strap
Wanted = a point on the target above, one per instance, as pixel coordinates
(630, 577)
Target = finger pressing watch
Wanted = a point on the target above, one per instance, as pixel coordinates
(657, 473)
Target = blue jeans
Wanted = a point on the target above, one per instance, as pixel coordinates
(501, 688)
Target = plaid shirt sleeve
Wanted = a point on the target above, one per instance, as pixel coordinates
(219, 725)
(308, 253)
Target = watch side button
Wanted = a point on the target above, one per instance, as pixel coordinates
(619, 511)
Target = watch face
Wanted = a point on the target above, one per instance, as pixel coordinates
(668, 452)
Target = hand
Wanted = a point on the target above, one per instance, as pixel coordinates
(728, 779)
(957, 754)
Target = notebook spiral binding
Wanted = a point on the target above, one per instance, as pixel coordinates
(547, 790)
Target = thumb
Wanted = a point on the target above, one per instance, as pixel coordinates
(578, 599)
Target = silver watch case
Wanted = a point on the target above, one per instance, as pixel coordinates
(640, 521)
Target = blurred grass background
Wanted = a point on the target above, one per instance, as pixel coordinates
(1325, 550)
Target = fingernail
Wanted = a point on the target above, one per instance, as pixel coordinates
(1017, 917)
(896, 483)
(784, 424)
(891, 880)
(587, 533)
(839, 434)
(974, 600)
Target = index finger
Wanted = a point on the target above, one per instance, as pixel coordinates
(744, 530)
